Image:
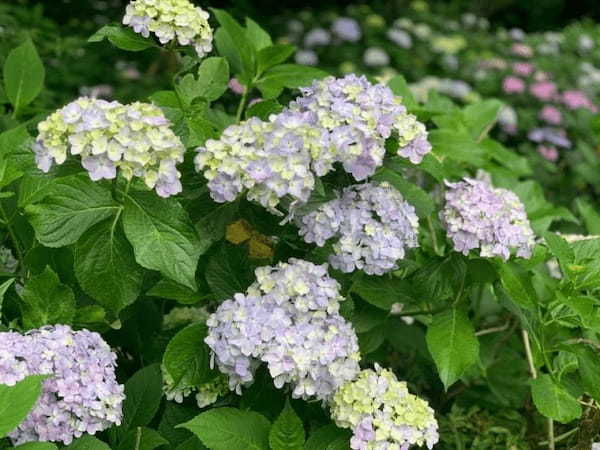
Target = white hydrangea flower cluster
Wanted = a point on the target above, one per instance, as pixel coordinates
(382, 413)
(171, 20)
(344, 120)
(373, 226)
(267, 159)
(360, 116)
(134, 138)
(477, 215)
(289, 319)
(81, 395)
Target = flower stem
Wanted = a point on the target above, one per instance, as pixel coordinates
(242, 104)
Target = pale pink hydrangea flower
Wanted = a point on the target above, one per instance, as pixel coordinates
(575, 99)
(513, 85)
(523, 68)
(549, 152)
(543, 90)
(551, 115)
(522, 50)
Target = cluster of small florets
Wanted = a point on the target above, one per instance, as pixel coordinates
(81, 394)
(360, 116)
(382, 413)
(267, 159)
(171, 20)
(373, 226)
(289, 320)
(477, 215)
(134, 138)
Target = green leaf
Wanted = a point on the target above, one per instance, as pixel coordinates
(287, 432)
(480, 117)
(33, 188)
(142, 438)
(326, 437)
(192, 443)
(271, 56)
(105, 266)
(227, 48)
(174, 291)
(272, 82)
(561, 249)
(46, 301)
(590, 214)
(552, 401)
(23, 75)
(589, 370)
(88, 442)
(413, 194)
(264, 109)
(231, 429)
(162, 236)
(238, 49)
(517, 283)
(16, 402)
(399, 87)
(452, 343)
(122, 37)
(256, 35)
(3, 288)
(457, 144)
(213, 76)
(227, 272)
(382, 291)
(72, 205)
(37, 446)
(143, 392)
(187, 358)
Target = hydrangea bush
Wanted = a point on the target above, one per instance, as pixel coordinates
(261, 254)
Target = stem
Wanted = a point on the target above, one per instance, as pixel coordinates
(433, 235)
(550, 434)
(529, 354)
(492, 330)
(561, 437)
(13, 237)
(421, 312)
(242, 104)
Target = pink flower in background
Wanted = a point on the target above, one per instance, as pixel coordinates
(523, 68)
(551, 115)
(543, 90)
(549, 152)
(513, 85)
(522, 50)
(541, 76)
(236, 86)
(578, 99)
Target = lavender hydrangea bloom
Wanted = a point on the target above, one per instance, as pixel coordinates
(347, 29)
(134, 138)
(81, 395)
(267, 159)
(372, 224)
(289, 319)
(549, 135)
(477, 215)
(360, 117)
(382, 413)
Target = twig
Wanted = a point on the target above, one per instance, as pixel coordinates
(562, 436)
(492, 330)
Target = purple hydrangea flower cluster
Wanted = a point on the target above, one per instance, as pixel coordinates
(360, 116)
(346, 29)
(373, 226)
(267, 159)
(81, 394)
(134, 138)
(477, 215)
(289, 319)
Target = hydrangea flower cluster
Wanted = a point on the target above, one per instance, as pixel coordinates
(289, 318)
(360, 116)
(382, 413)
(171, 20)
(477, 215)
(134, 138)
(373, 226)
(344, 120)
(80, 396)
(267, 159)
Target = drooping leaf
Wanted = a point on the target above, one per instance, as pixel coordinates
(16, 402)
(452, 342)
(231, 429)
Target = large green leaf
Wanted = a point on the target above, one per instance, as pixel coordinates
(174, 291)
(412, 193)
(287, 432)
(16, 402)
(186, 357)
(231, 429)
(213, 76)
(327, 438)
(272, 82)
(272, 55)
(37, 446)
(162, 236)
(517, 283)
(553, 401)
(452, 342)
(480, 117)
(142, 438)
(105, 266)
(23, 75)
(122, 37)
(88, 442)
(228, 271)
(383, 291)
(71, 206)
(46, 301)
(143, 392)
(239, 50)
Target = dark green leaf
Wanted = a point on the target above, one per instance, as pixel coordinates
(37, 446)
(88, 442)
(517, 283)
(143, 392)
(16, 401)
(213, 76)
(382, 291)
(325, 436)
(23, 75)
(275, 79)
(174, 291)
(264, 109)
(287, 432)
(142, 438)
(122, 37)
(227, 272)
(273, 55)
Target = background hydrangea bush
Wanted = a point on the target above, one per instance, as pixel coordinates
(249, 252)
